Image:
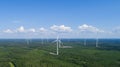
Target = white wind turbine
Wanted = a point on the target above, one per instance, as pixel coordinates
(85, 42)
(60, 29)
(43, 32)
(27, 40)
(83, 30)
(42, 42)
(47, 37)
(58, 43)
(97, 40)
(85, 39)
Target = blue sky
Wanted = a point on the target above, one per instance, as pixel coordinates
(101, 14)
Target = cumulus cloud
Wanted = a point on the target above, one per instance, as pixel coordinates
(54, 30)
(46, 32)
(89, 28)
(31, 30)
(42, 29)
(8, 31)
(21, 29)
(61, 28)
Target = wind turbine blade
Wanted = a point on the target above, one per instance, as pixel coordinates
(59, 41)
(57, 37)
(54, 41)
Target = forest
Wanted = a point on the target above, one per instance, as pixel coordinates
(36, 53)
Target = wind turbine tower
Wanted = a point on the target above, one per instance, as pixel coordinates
(58, 42)
(42, 41)
(57, 46)
(97, 40)
(84, 42)
(27, 41)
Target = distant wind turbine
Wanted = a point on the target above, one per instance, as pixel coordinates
(97, 40)
(27, 40)
(58, 43)
(85, 42)
(42, 40)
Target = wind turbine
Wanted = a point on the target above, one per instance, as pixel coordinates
(42, 41)
(85, 39)
(58, 43)
(27, 40)
(84, 42)
(97, 40)
(47, 37)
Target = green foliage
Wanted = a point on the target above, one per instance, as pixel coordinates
(36, 54)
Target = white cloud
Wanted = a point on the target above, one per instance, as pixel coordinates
(61, 28)
(31, 30)
(42, 29)
(45, 32)
(21, 29)
(116, 30)
(8, 31)
(89, 28)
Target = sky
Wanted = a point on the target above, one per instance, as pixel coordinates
(66, 18)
